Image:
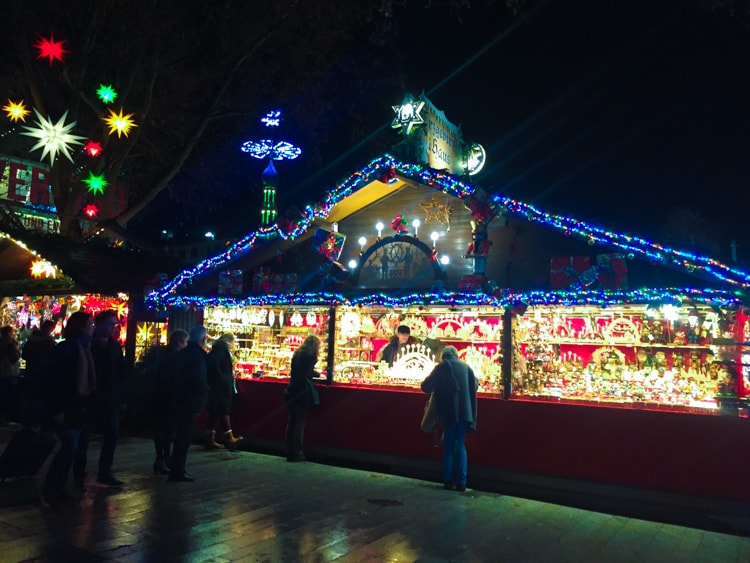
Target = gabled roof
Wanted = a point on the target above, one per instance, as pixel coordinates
(386, 174)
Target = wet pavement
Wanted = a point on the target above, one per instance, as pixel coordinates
(247, 506)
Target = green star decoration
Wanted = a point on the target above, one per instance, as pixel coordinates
(96, 183)
(106, 94)
(53, 137)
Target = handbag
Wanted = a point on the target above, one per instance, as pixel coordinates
(430, 416)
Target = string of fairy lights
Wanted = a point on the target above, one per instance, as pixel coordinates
(386, 164)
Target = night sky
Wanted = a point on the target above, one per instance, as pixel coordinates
(623, 116)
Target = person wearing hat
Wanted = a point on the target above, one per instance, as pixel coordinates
(455, 394)
(220, 365)
(390, 351)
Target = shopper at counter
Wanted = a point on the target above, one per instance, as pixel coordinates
(455, 387)
(221, 384)
(188, 399)
(390, 351)
(300, 395)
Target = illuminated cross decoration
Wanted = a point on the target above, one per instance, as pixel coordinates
(274, 150)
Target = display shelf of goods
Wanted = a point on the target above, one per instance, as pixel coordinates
(362, 332)
(633, 354)
(266, 337)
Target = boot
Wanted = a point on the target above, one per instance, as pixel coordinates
(230, 441)
(211, 443)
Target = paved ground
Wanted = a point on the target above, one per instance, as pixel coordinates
(253, 507)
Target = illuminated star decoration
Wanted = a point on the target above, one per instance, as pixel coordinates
(144, 333)
(408, 114)
(16, 111)
(91, 211)
(106, 93)
(53, 137)
(272, 118)
(51, 49)
(93, 149)
(96, 183)
(119, 123)
(41, 268)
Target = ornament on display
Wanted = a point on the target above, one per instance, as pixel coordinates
(399, 225)
(51, 49)
(16, 111)
(41, 268)
(53, 137)
(119, 123)
(106, 94)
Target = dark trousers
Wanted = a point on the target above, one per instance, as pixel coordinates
(184, 424)
(59, 467)
(108, 423)
(163, 436)
(295, 430)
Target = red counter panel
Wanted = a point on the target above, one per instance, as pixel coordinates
(696, 454)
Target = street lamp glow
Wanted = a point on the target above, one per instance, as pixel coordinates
(379, 227)
(444, 260)
(352, 264)
(416, 223)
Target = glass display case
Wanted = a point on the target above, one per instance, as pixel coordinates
(362, 331)
(266, 337)
(661, 355)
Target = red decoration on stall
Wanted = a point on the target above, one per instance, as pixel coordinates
(398, 225)
(613, 271)
(565, 270)
(389, 175)
(472, 282)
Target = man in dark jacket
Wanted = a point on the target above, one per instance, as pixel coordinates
(390, 351)
(455, 387)
(109, 365)
(188, 399)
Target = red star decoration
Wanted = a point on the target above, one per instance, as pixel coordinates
(93, 149)
(91, 210)
(51, 49)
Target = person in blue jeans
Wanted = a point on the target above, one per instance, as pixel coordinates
(455, 394)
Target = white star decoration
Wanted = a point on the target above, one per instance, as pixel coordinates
(53, 137)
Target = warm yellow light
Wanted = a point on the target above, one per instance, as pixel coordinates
(43, 268)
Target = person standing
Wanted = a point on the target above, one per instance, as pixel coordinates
(38, 345)
(188, 399)
(10, 369)
(221, 384)
(300, 395)
(66, 396)
(160, 364)
(389, 352)
(455, 394)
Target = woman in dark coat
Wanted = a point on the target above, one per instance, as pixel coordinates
(300, 395)
(221, 392)
(455, 388)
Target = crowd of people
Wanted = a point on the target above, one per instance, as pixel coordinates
(80, 385)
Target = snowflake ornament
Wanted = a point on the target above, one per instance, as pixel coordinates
(53, 137)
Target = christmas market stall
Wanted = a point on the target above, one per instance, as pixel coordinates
(602, 357)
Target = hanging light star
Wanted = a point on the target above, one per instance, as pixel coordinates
(53, 137)
(96, 183)
(106, 93)
(41, 268)
(119, 123)
(16, 111)
(93, 149)
(51, 49)
(91, 211)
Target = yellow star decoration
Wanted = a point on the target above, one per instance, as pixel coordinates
(144, 333)
(16, 111)
(119, 123)
(43, 268)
